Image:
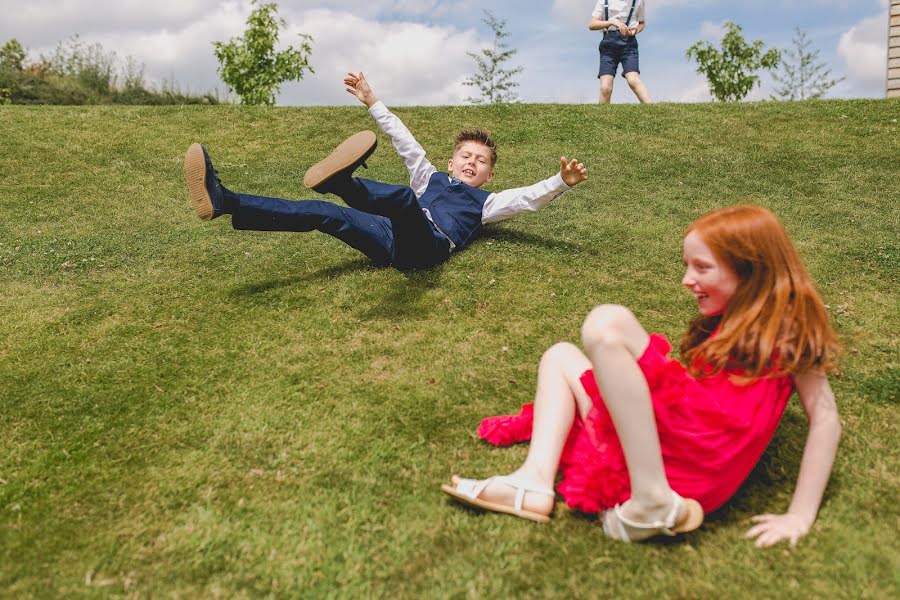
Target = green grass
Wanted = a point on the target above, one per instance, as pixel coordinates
(187, 410)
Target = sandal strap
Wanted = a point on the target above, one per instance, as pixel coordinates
(473, 488)
(664, 526)
(521, 488)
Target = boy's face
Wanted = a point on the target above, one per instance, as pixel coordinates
(471, 164)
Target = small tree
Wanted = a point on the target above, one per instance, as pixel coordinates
(804, 77)
(730, 72)
(249, 65)
(493, 81)
(12, 55)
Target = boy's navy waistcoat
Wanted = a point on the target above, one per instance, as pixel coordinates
(454, 206)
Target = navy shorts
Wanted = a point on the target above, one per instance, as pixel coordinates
(617, 48)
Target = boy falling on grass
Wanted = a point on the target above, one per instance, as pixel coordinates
(409, 227)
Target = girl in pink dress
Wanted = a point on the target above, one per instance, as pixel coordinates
(655, 444)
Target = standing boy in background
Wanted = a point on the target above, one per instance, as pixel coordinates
(620, 21)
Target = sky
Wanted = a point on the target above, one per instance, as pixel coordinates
(414, 52)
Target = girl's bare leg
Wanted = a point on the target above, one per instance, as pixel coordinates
(559, 394)
(614, 340)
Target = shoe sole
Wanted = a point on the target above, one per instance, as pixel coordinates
(195, 176)
(693, 518)
(493, 506)
(352, 151)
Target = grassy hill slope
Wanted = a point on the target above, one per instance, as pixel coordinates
(188, 410)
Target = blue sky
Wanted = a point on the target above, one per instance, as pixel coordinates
(414, 51)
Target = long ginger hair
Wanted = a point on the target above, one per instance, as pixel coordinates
(775, 324)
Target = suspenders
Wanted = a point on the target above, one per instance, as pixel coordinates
(630, 12)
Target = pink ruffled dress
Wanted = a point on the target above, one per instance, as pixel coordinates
(711, 432)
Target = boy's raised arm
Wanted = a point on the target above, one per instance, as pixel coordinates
(419, 167)
(509, 203)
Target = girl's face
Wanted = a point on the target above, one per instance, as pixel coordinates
(712, 282)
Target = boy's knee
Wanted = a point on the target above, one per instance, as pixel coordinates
(605, 326)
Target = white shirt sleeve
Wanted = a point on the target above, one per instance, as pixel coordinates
(509, 203)
(598, 10)
(412, 153)
(639, 12)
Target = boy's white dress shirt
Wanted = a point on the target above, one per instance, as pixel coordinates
(497, 207)
(618, 11)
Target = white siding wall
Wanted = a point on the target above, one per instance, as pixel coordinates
(893, 66)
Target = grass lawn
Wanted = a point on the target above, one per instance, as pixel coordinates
(188, 410)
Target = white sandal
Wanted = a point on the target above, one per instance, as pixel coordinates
(468, 490)
(624, 529)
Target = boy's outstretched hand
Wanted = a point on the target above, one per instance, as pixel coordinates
(358, 86)
(572, 172)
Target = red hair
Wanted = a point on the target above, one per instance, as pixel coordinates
(775, 324)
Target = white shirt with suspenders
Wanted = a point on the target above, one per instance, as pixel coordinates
(629, 12)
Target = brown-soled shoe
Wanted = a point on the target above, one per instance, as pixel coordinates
(203, 183)
(350, 154)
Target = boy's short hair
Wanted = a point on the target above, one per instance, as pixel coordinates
(477, 135)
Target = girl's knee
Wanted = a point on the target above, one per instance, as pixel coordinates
(559, 353)
(606, 325)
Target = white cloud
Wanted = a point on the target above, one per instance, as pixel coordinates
(45, 22)
(863, 48)
(573, 12)
(713, 31)
(407, 62)
(695, 90)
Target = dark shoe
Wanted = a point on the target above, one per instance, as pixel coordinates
(341, 163)
(203, 183)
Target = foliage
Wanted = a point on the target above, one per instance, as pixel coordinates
(90, 65)
(12, 59)
(251, 67)
(804, 76)
(76, 73)
(730, 71)
(495, 83)
(12, 55)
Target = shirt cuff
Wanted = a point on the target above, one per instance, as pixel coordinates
(559, 183)
(378, 108)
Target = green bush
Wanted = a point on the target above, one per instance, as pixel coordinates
(77, 74)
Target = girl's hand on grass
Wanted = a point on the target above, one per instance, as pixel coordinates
(771, 529)
(572, 172)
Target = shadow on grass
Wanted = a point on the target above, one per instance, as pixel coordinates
(404, 303)
(320, 275)
(528, 239)
(770, 486)
(400, 302)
